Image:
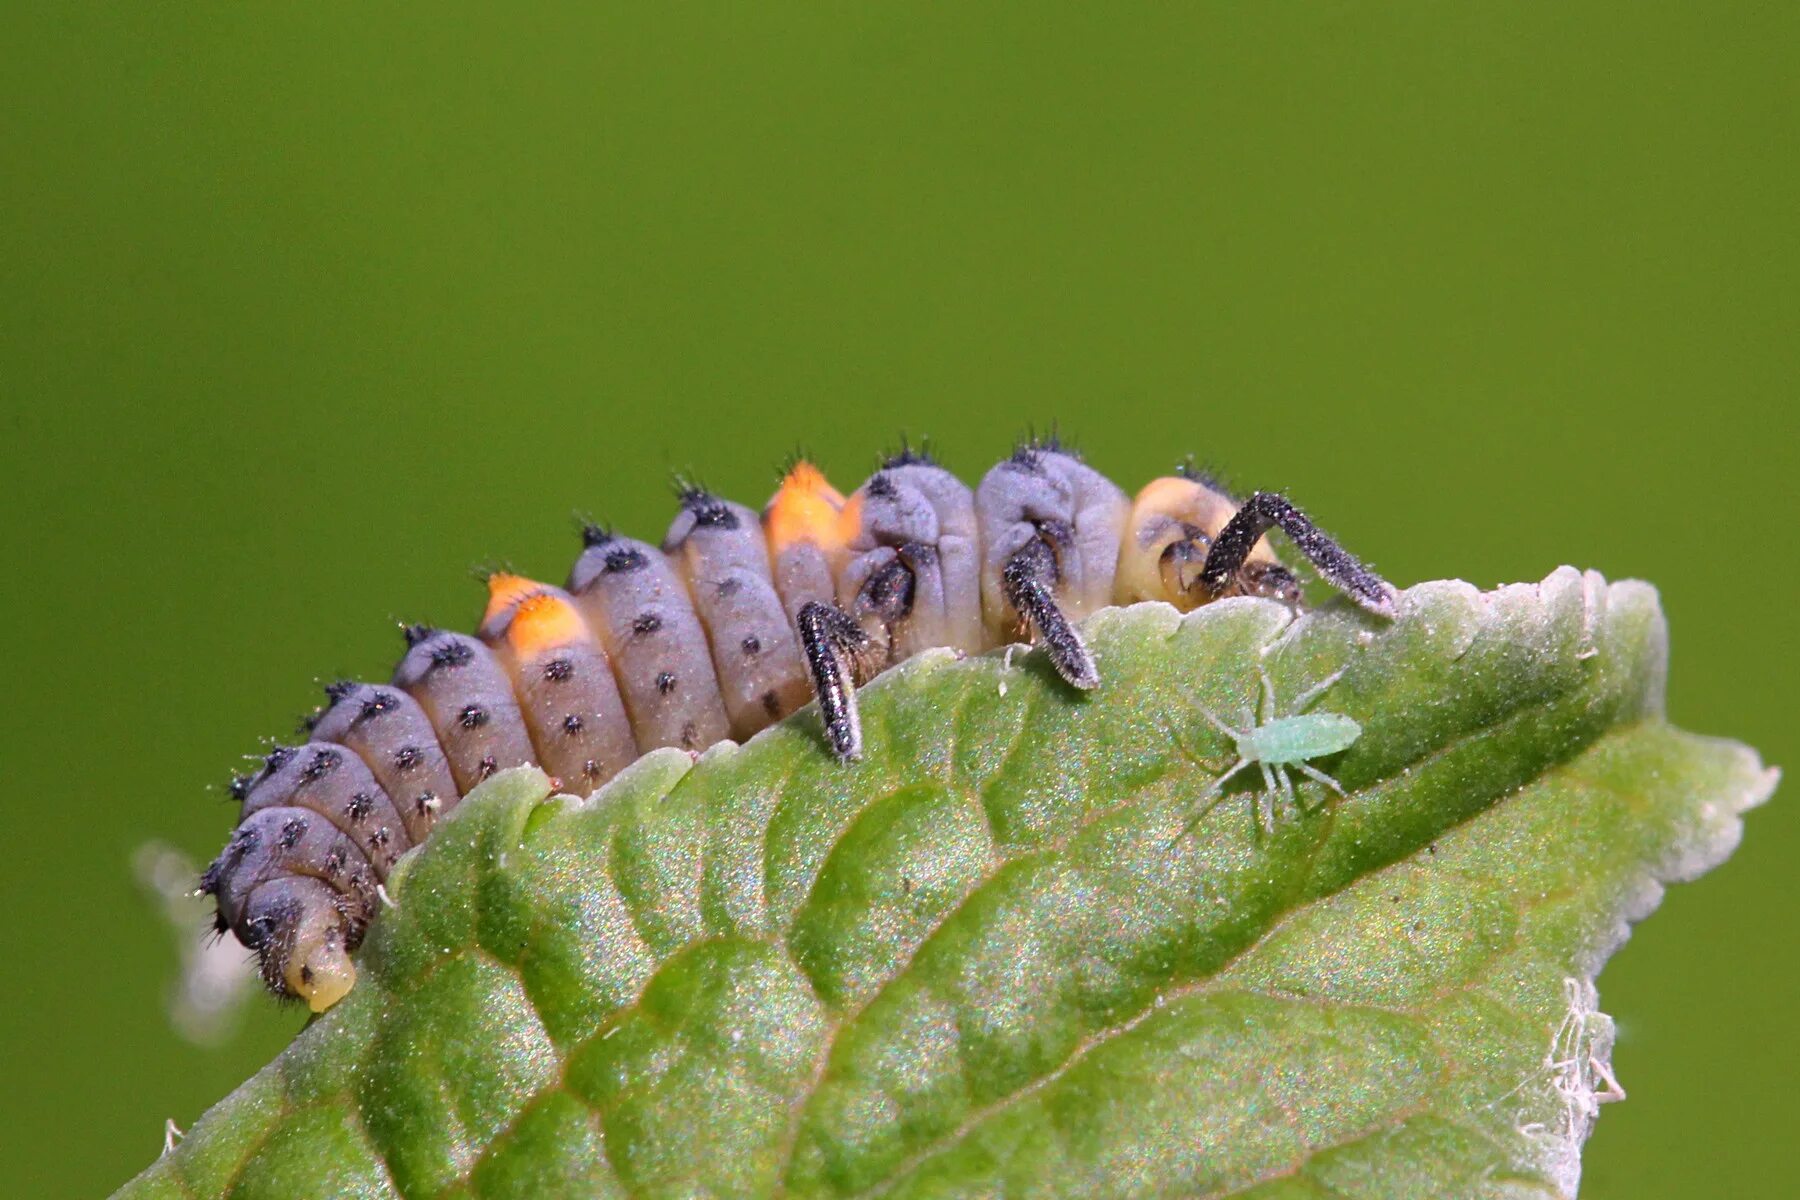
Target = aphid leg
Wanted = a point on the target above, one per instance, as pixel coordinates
(1266, 510)
(1315, 691)
(1208, 798)
(832, 640)
(1319, 776)
(1269, 786)
(1266, 712)
(1026, 579)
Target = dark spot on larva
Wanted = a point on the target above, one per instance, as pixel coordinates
(729, 588)
(358, 807)
(771, 704)
(451, 654)
(881, 487)
(488, 766)
(414, 634)
(380, 837)
(689, 735)
(710, 513)
(278, 758)
(572, 724)
(646, 623)
(558, 669)
(426, 804)
(239, 787)
(590, 768)
(472, 717)
(292, 830)
(665, 682)
(407, 757)
(628, 559)
(377, 704)
(595, 535)
(751, 645)
(335, 862)
(322, 763)
(306, 973)
(337, 689)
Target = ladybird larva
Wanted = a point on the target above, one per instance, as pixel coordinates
(735, 621)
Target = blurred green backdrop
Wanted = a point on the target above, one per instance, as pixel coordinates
(304, 315)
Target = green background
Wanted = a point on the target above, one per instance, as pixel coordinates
(301, 317)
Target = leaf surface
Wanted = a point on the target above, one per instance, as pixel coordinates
(989, 961)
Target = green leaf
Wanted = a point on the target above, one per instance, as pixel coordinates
(987, 962)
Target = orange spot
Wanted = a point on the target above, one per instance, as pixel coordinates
(505, 591)
(544, 621)
(805, 508)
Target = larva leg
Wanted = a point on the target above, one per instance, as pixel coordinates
(831, 642)
(1266, 510)
(1027, 578)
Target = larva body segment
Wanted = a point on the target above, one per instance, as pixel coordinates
(1051, 506)
(734, 622)
(721, 553)
(912, 576)
(335, 783)
(565, 685)
(388, 730)
(469, 701)
(805, 528)
(639, 608)
(1171, 528)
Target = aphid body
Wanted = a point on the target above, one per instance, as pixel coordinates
(1275, 745)
(733, 621)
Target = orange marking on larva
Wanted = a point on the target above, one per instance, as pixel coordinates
(505, 591)
(544, 621)
(805, 508)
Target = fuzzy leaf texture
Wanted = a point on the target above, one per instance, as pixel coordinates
(986, 961)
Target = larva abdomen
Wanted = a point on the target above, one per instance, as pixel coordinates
(388, 730)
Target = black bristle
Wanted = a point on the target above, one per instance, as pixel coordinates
(793, 458)
(1027, 449)
(595, 534)
(1206, 475)
(414, 634)
(909, 455)
(337, 689)
(689, 491)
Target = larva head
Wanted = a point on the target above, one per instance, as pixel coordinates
(318, 967)
(1172, 526)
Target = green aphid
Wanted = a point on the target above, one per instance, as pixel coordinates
(1276, 745)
